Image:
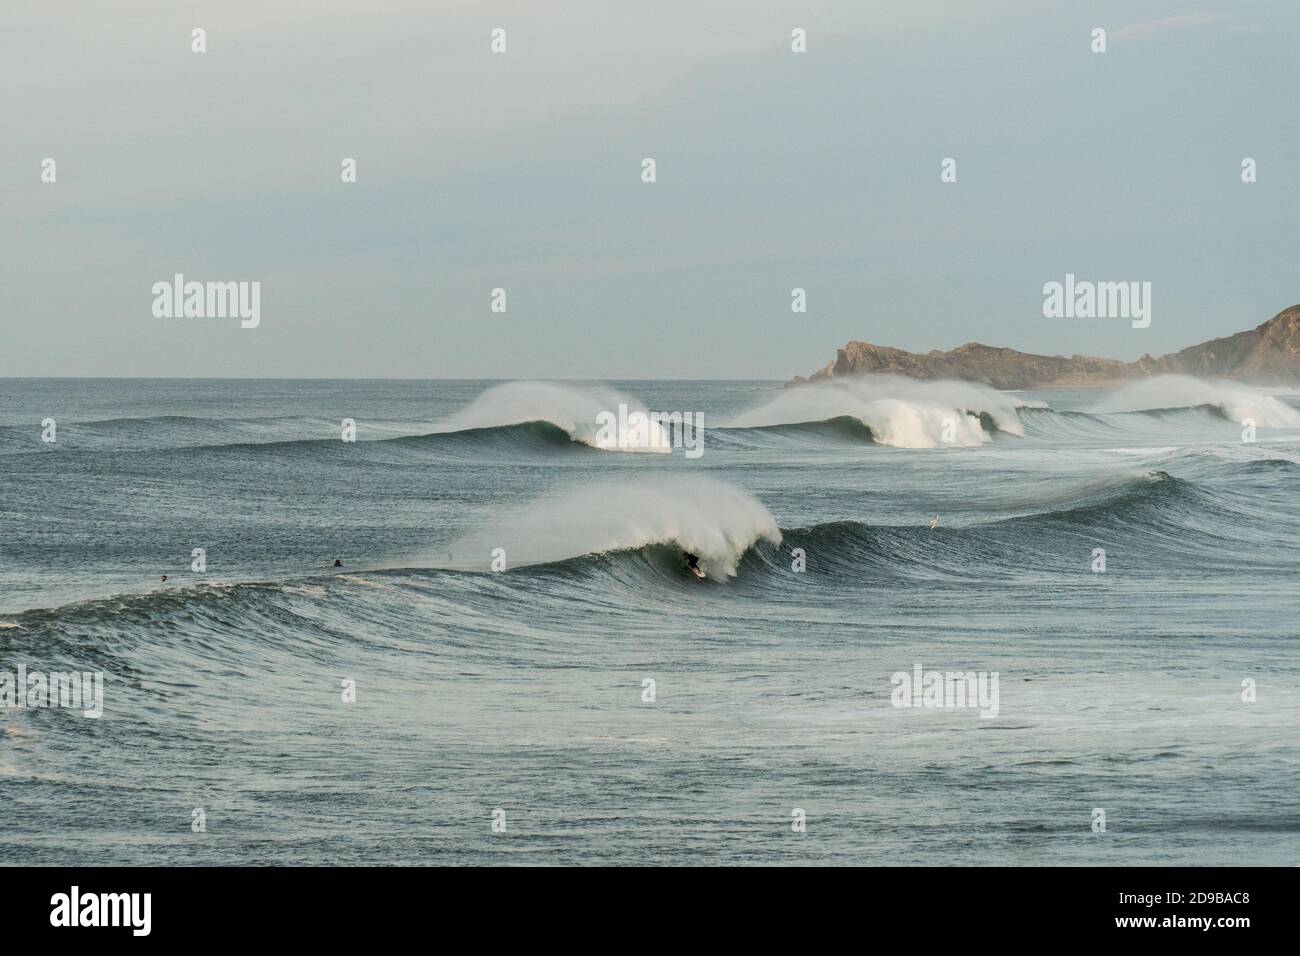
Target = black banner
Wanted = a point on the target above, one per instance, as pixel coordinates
(332, 905)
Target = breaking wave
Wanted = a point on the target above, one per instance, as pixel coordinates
(573, 409)
(637, 532)
(900, 412)
(1232, 400)
(712, 519)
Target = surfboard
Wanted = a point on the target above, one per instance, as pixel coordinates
(698, 573)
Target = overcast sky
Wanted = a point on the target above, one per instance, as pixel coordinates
(522, 170)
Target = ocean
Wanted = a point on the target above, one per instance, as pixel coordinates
(514, 664)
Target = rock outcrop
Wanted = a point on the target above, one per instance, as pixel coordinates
(1267, 355)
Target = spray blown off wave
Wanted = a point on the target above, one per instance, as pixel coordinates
(575, 410)
(1234, 401)
(712, 519)
(904, 413)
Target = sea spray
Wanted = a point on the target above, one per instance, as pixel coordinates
(709, 518)
(1235, 401)
(903, 413)
(577, 410)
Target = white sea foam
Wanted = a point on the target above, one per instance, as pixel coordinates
(902, 412)
(571, 408)
(710, 518)
(1237, 402)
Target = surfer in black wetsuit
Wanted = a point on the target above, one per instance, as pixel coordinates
(338, 563)
(692, 561)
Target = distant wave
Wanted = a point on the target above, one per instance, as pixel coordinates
(527, 412)
(1232, 400)
(899, 412)
(545, 417)
(537, 436)
(1050, 423)
(844, 429)
(167, 432)
(572, 409)
(1169, 424)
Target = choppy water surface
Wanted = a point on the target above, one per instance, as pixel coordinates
(524, 689)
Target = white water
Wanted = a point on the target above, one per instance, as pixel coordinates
(574, 409)
(707, 517)
(1236, 401)
(902, 412)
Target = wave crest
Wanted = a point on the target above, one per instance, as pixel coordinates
(1234, 401)
(573, 409)
(707, 517)
(900, 412)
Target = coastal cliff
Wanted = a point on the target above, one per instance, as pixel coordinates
(1266, 355)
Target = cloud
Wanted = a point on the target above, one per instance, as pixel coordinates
(1150, 28)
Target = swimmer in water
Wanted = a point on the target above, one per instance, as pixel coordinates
(338, 563)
